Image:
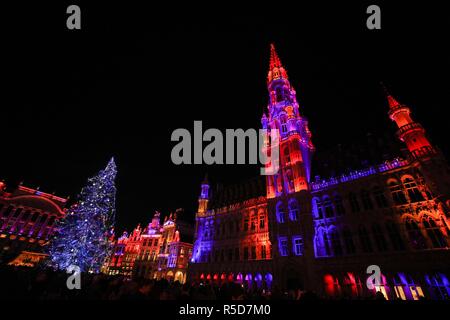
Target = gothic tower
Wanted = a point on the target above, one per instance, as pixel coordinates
(202, 245)
(295, 138)
(426, 157)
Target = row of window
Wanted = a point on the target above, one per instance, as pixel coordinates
(365, 201)
(150, 242)
(229, 255)
(17, 221)
(25, 216)
(332, 243)
(293, 212)
(399, 286)
(296, 246)
(250, 223)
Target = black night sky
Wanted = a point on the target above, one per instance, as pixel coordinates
(121, 85)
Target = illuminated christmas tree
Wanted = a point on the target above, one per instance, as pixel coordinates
(83, 234)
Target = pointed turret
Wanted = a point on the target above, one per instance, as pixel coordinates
(274, 59)
(410, 132)
(393, 103)
(276, 69)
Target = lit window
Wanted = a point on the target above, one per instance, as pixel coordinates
(280, 213)
(434, 233)
(283, 245)
(413, 191)
(293, 210)
(317, 207)
(262, 221)
(397, 193)
(328, 207)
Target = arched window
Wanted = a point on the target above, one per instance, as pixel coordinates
(335, 242)
(339, 205)
(380, 240)
(280, 213)
(366, 201)
(380, 198)
(394, 236)
(317, 208)
(434, 233)
(415, 236)
(329, 212)
(348, 241)
(297, 245)
(398, 196)
(365, 239)
(293, 210)
(354, 204)
(414, 193)
(322, 245)
(268, 279)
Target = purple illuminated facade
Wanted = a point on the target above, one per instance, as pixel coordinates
(27, 219)
(321, 234)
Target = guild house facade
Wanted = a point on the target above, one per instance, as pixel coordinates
(27, 220)
(321, 234)
(159, 251)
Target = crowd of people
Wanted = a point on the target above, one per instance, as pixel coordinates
(45, 284)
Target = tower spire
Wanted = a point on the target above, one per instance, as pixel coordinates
(391, 100)
(409, 131)
(276, 69)
(274, 59)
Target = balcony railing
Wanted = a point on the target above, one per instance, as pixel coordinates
(408, 127)
(358, 174)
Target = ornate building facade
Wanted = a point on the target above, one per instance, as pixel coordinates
(154, 252)
(27, 218)
(323, 234)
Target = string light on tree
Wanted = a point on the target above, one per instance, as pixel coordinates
(83, 235)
